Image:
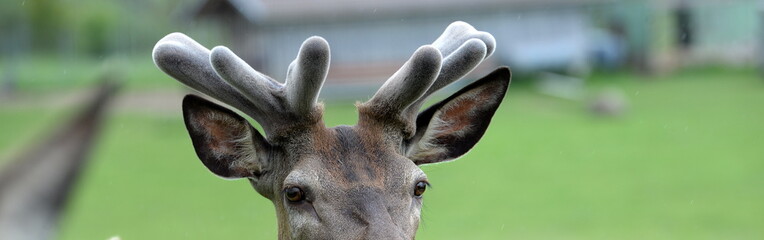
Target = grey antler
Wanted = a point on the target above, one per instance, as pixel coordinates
(224, 76)
(409, 83)
(187, 61)
(450, 57)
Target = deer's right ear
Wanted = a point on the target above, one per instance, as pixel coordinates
(225, 142)
(450, 128)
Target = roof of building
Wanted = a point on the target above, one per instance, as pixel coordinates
(275, 11)
(251, 10)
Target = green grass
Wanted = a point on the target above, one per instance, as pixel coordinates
(49, 74)
(21, 127)
(685, 162)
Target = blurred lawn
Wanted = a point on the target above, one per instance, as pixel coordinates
(51, 74)
(22, 126)
(686, 162)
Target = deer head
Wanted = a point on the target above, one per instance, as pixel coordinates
(344, 182)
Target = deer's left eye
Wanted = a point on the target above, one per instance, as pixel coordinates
(294, 194)
(419, 188)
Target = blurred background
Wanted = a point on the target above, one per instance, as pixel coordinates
(625, 119)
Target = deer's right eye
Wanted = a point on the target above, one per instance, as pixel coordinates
(294, 194)
(419, 188)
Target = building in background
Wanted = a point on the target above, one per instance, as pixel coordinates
(371, 39)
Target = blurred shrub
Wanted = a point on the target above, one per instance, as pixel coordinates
(85, 28)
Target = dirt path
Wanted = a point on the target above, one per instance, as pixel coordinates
(35, 186)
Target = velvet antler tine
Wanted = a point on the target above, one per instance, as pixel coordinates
(409, 83)
(188, 62)
(457, 33)
(180, 38)
(307, 73)
(489, 40)
(459, 63)
(255, 86)
(181, 58)
(455, 66)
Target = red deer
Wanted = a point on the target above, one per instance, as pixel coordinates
(343, 182)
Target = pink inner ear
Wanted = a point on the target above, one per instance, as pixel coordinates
(227, 141)
(221, 131)
(458, 115)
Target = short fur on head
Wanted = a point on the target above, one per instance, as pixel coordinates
(344, 182)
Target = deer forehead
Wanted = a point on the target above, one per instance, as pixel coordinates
(349, 157)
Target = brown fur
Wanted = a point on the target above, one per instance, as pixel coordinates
(358, 181)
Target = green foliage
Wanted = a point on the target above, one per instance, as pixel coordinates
(96, 32)
(93, 28)
(10, 14)
(48, 19)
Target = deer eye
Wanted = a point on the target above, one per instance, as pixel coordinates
(294, 194)
(419, 188)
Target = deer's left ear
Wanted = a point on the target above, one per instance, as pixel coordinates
(450, 128)
(225, 142)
